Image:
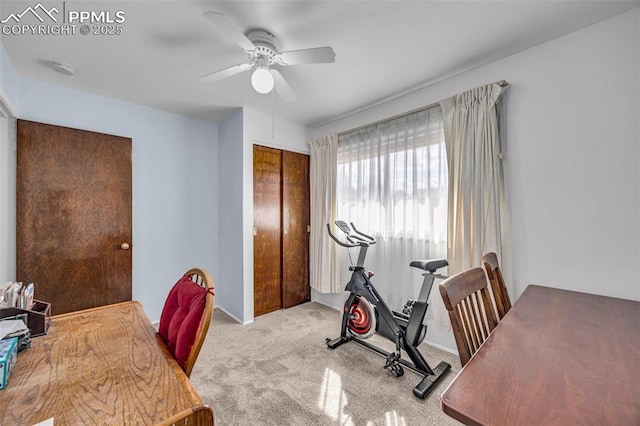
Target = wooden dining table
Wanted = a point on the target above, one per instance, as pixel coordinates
(558, 357)
(101, 366)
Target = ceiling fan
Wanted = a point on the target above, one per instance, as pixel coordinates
(262, 48)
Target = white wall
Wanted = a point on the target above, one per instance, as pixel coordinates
(7, 200)
(263, 129)
(230, 292)
(573, 160)
(175, 182)
(572, 156)
(8, 97)
(8, 81)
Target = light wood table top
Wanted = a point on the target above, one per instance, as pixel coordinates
(100, 366)
(557, 358)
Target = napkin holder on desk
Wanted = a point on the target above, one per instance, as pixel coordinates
(8, 355)
(38, 318)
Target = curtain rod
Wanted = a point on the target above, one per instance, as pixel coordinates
(395, 117)
(501, 83)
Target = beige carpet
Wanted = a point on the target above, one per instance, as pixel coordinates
(279, 371)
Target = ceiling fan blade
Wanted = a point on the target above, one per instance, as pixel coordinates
(227, 72)
(317, 55)
(230, 29)
(282, 87)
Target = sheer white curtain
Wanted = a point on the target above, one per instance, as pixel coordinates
(323, 265)
(477, 206)
(392, 183)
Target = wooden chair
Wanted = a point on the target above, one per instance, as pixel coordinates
(466, 297)
(498, 287)
(185, 335)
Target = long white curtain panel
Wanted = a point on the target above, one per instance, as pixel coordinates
(478, 213)
(323, 267)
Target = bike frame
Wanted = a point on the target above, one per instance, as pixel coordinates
(360, 285)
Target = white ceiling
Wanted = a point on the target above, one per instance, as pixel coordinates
(382, 48)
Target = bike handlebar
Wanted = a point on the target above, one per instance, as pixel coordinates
(371, 240)
(337, 240)
(363, 240)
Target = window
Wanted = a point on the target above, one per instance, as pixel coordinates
(392, 183)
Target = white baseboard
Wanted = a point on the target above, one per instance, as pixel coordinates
(335, 308)
(441, 347)
(233, 317)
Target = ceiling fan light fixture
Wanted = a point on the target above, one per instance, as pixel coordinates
(62, 68)
(262, 80)
(263, 50)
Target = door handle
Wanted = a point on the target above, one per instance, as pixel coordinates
(125, 246)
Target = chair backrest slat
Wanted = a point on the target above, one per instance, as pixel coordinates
(466, 297)
(498, 286)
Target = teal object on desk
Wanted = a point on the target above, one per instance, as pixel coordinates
(8, 357)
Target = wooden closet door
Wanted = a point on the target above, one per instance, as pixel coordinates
(281, 223)
(267, 205)
(73, 215)
(295, 229)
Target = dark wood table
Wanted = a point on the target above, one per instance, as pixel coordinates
(101, 366)
(557, 358)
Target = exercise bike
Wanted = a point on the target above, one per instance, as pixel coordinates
(365, 314)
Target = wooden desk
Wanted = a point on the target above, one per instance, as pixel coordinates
(100, 366)
(557, 358)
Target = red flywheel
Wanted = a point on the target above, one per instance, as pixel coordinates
(362, 318)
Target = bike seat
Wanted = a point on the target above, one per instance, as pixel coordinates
(430, 265)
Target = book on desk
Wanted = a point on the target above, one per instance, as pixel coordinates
(17, 294)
